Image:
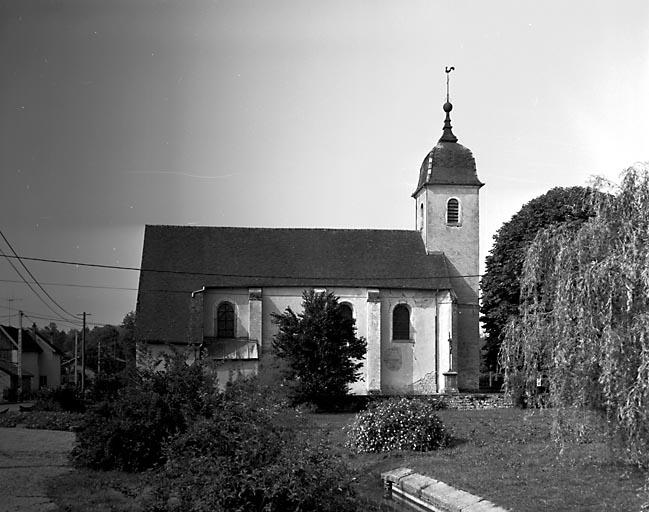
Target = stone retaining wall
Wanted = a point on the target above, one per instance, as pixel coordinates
(425, 493)
(478, 401)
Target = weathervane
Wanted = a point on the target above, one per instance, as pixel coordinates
(447, 135)
(448, 73)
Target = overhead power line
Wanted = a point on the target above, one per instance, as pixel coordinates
(39, 316)
(74, 285)
(220, 274)
(33, 277)
(60, 317)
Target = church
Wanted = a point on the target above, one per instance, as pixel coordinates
(413, 293)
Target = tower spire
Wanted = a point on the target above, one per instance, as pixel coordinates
(447, 135)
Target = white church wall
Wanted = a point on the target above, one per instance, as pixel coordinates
(390, 366)
(238, 297)
(408, 366)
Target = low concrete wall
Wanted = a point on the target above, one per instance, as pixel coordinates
(425, 493)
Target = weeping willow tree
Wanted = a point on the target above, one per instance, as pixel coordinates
(584, 318)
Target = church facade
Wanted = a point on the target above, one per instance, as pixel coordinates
(413, 293)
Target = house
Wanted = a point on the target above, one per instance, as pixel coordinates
(413, 293)
(41, 361)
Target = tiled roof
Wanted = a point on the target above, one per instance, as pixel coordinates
(193, 257)
(12, 369)
(448, 163)
(29, 344)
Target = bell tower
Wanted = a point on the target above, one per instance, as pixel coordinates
(448, 218)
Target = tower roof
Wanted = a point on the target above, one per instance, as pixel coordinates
(448, 163)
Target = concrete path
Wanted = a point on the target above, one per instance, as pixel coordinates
(28, 458)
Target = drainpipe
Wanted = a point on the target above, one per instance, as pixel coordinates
(437, 341)
(201, 346)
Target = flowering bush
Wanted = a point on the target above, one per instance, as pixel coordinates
(397, 424)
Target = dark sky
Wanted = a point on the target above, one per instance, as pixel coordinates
(115, 114)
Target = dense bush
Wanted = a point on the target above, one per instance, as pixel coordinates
(190, 390)
(126, 434)
(107, 386)
(64, 398)
(397, 424)
(45, 420)
(252, 458)
(129, 431)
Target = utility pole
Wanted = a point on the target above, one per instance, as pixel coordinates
(34, 336)
(98, 358)
(19, 361)
(76, 359)
(83, 355)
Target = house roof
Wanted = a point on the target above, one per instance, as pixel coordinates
(12, 369)
(29, 344)
(179, 259)
(10, 334)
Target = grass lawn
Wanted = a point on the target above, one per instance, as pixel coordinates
(507, 456)
(504, 455)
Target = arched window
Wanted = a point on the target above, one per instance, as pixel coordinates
(225, 320)
(346, 312)
(453, 211)
(421, 216)
(401, 323)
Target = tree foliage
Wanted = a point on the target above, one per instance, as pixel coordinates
(117, 344)
(500, 285)
(584, 317)
(320, 347)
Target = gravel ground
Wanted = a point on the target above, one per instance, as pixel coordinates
(28, 458)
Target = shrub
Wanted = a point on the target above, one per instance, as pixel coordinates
(126, 434)
(107, 386)
(189, 389)
(59, 399)
(397, 424)
(44, 420)
(251, 455)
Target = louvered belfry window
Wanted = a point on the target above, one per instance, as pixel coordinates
(225, 321)
(401, 323)
(453, 211)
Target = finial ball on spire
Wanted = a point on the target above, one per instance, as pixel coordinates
(447, 107)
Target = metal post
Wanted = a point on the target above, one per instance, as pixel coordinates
(76, 359)
(19, 360)
(83, 355)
